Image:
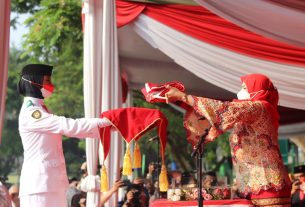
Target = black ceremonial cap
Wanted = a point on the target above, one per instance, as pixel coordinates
(299, 169)
(37, 69)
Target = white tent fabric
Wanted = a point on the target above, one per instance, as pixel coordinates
(92, 90)
(4, 56)
(219, 66)
(102, 89)
(292, 130)
(111, 88)
(263, 17)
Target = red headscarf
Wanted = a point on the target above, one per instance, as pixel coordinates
(262, 89)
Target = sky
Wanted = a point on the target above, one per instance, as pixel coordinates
(16, 34)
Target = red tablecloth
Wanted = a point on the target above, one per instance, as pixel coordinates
(211, 203)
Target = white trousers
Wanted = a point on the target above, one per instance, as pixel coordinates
(53, 199)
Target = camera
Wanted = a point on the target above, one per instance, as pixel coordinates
(126, 183)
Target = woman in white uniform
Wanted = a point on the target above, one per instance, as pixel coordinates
(44, 181)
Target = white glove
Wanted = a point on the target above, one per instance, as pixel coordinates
(103, 122)
(91, 183)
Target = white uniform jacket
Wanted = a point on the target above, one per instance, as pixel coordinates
(44, 168)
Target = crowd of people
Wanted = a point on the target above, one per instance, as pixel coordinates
(142, 191)
(138, 193)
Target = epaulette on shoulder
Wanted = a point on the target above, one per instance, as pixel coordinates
(29, 103)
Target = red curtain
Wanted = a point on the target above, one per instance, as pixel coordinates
(127, 11)
(203, 25)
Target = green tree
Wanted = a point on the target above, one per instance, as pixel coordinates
(22, 6)
(11, 147)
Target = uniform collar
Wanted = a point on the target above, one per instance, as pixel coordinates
(35, 101)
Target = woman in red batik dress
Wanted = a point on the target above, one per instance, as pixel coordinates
(260, 173)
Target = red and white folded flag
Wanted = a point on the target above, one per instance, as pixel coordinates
(194, 123)
(156, 93)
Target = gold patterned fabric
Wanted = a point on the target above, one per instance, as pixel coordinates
(274, 202)
(254, 141)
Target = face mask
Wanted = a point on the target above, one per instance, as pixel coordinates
(243, 95)
(255, 93)
(46, 89)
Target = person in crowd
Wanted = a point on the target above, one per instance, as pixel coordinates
(73, 191)
(209, 179)
(144, 194)
(105, 196)
(78, 199)
(73, 182)
(254, 120)
(298, 187)
(82, 201)
(234, 190)
(84, 174)
(43, 180)
(152, 180)
(150, 189)
(14, 195)
(5, 200)
(152, 171)
(188, 180)
(143, 197)
(132, 197)
(73, 196)
(176, 178)
(83, 169)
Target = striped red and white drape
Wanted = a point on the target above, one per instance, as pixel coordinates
(217, 50)
(202, 24)
(281, 20)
